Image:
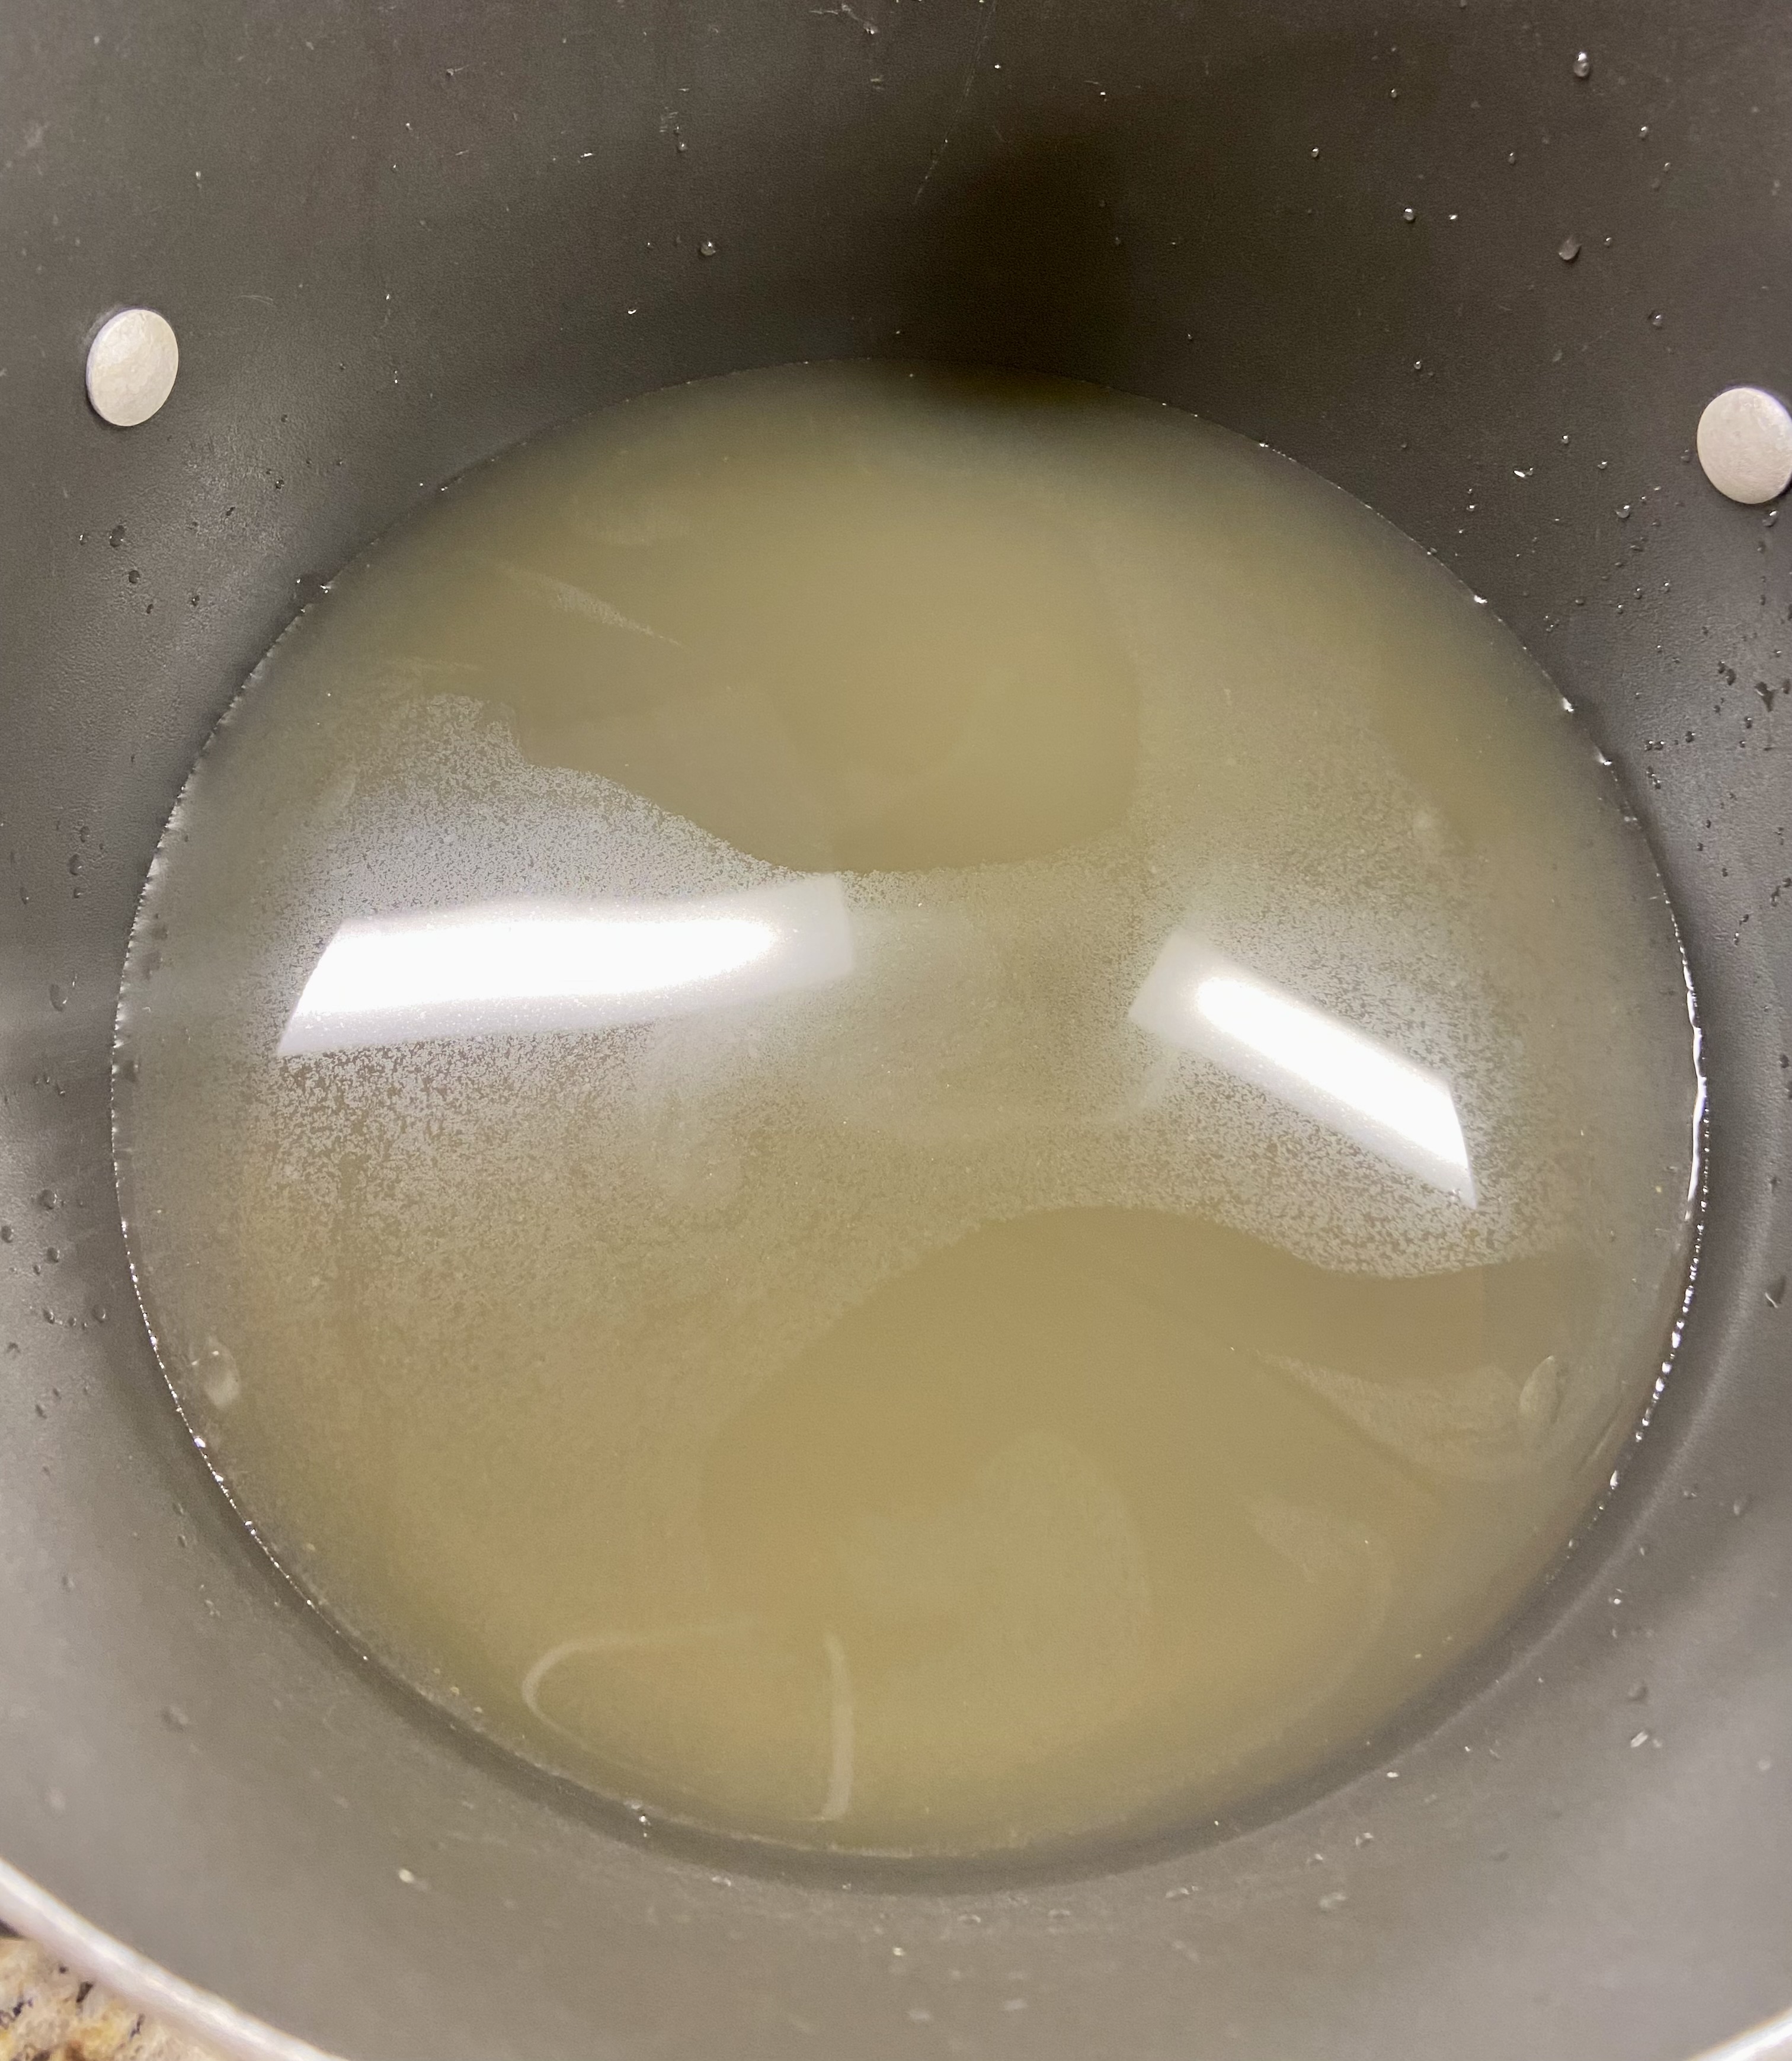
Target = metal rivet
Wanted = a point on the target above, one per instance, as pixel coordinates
(131, 365)
(1745, 444)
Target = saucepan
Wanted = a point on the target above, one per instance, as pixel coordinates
(1483, 263)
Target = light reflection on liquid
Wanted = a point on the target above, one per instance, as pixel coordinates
(1199, 1000)
(500, 967)
(533, 967)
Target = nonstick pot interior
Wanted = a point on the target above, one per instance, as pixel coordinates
(393, 238)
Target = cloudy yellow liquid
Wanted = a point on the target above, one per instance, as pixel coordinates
(908, 1112)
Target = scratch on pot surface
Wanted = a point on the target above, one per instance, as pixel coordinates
(964, 98)
(616, 1642)
(576, 601)
(840, 1732)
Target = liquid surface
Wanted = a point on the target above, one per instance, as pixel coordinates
(906, 1111)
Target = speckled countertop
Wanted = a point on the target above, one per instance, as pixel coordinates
(48, 2013)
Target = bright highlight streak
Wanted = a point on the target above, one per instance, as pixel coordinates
(541, 966)
(1338, 1062)
(1391, 1106)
